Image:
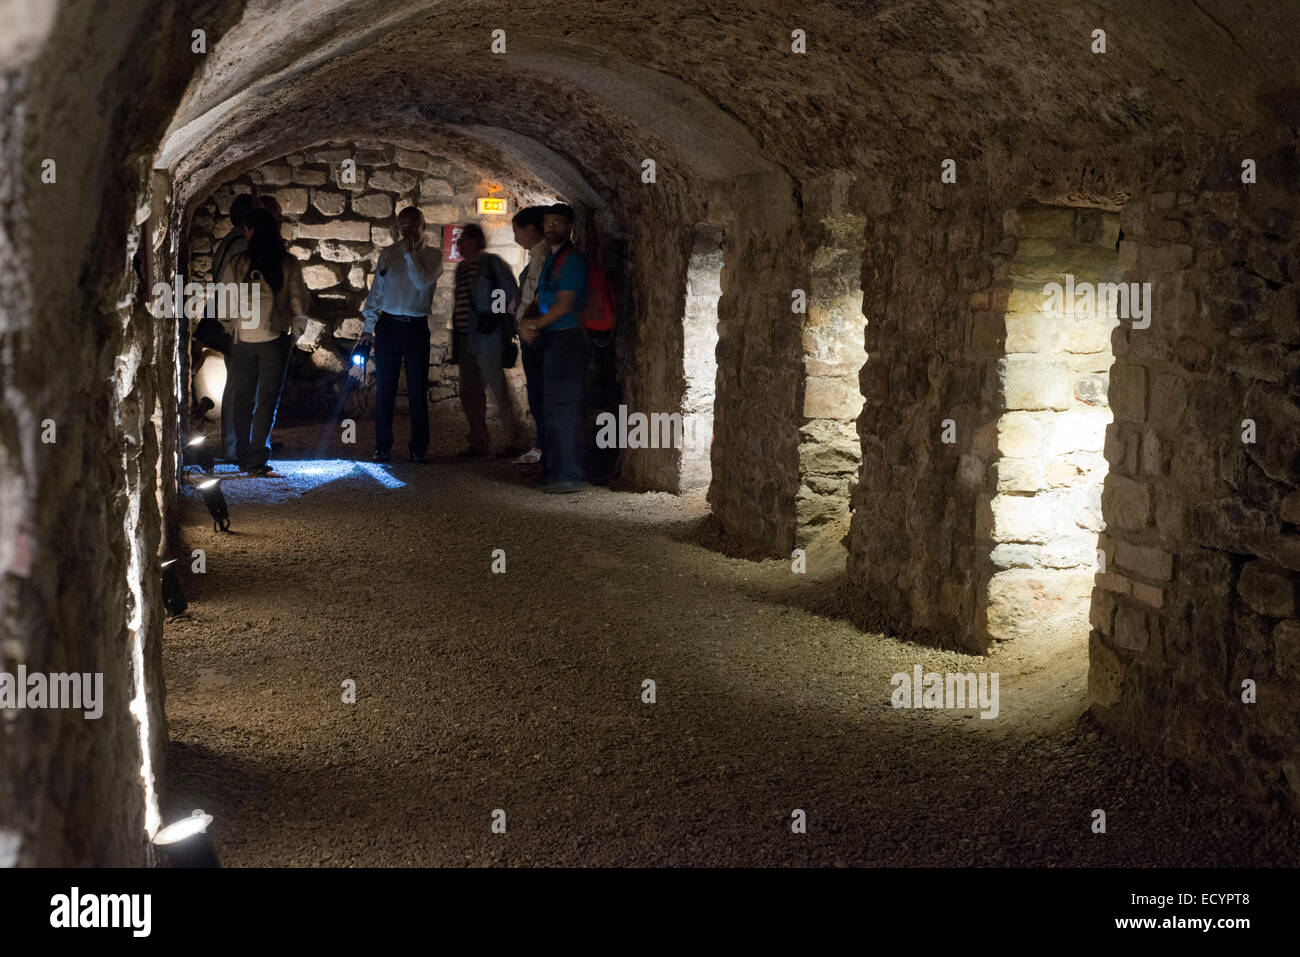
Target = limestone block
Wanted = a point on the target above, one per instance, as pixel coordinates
(1030, 603)
(330, 157)
(1017, 475)
(411, 159)
(310, 177)
(276, 174)
(1153, 563)
(1128, 392)
(1091, 388)
(1270, 590)
(1019, 518)
(311, 335)
(1028, 384)
(320, 276)
(373, 206)
(357, 185)
(327, 360)
(300, 252)
(440, 214)
(349, 328)
(1231, 525)
(1289, 510)
(1086, 335)
(1131, 627)
(1025, 332)
(292, 200)
(327, 202)
(392, 180)
(1105, 673)
(1149, 594)
(433, 188)
(1126, 504)
(345, 230)
(828, 399)
(1286, 649)
(381, 236)
(1078, 430)
(1014, 556)
(357, 277)
(1019, 435)
(338, 252)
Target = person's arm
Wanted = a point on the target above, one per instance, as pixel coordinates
(572, 280)
(504, 280)
(227, 276)
(374, 298)
(563, 305)
(422, 279)
(298, 296)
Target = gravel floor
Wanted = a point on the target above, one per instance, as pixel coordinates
(523, 692)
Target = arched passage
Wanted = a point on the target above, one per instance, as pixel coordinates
(751, 138)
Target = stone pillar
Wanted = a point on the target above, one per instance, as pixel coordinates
(1202, 603)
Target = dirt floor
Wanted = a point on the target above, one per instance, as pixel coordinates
(522, 692)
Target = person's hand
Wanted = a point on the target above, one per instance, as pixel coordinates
(528, 332)
(365, 339)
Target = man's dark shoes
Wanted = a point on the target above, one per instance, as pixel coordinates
(561, 488)
(381, 455)
(471, 453)
(419, 458)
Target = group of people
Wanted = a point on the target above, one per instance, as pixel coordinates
(491, 307)
(541, 307)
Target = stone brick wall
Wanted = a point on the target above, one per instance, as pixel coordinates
(337, 229)
(1043, 506)
(833, 356)
(1202, 526)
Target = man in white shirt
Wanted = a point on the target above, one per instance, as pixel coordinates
(396, 318)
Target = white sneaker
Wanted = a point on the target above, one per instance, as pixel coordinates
(531, 457)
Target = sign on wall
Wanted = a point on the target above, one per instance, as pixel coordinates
(451, 243)
(492, 206)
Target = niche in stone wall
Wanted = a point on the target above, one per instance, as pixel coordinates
(1042, 514)
(700, 346)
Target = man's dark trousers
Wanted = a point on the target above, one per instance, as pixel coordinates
(257, 372)
(398, 340)
(229, 447)
(563, 367)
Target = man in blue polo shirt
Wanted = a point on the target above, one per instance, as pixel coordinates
(561, 296)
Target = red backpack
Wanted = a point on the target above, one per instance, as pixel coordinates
(598, 314)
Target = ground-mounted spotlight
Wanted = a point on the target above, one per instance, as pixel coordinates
(198, 453)
(173, 595)
(187, 843)
(216, 503)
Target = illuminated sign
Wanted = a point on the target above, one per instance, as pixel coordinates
(492, 206)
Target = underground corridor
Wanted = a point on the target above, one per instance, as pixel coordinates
(963, 529)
